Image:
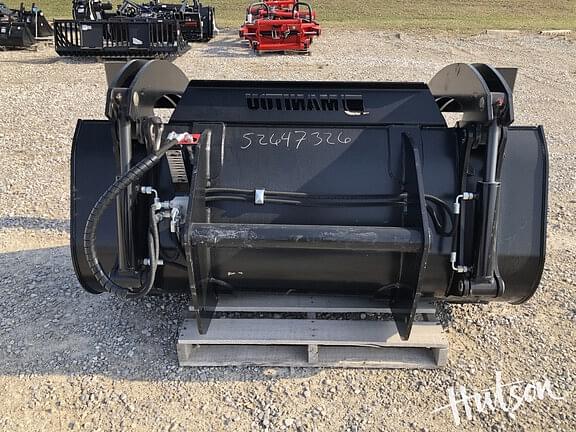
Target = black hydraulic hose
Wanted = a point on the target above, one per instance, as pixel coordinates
(179, 250)
(441, 227)
(221, 283)
(246, 195)
(311, 203)
(393, 197)
(440, 202)
(438, 225)
(130, 177)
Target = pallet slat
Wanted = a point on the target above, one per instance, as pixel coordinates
(304, 332)
(249, 302)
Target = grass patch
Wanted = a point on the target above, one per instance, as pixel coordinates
(457, 15)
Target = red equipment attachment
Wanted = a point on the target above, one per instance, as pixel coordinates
(280, 25)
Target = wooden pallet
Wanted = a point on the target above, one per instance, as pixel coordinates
(311, 342)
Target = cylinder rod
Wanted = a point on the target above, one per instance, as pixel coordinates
(492, 152)
(124, 200)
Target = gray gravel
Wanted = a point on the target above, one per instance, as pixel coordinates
(72, 361)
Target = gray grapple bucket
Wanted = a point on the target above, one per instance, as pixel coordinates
(332, 188)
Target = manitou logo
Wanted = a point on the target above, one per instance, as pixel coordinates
(350, 104)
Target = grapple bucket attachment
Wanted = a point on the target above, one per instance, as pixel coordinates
(36, 23)
(324, 188)
(15, 35)
(198, 24)
(196, 21)
(20, 28)
(119, 38)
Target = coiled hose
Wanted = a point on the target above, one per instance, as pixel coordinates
(132, 176)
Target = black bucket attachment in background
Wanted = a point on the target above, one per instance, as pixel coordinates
(84, 10)
(37, 24)
(119, 38)
(197, 23)
(15, 35)
(21, 28)
(320, 188)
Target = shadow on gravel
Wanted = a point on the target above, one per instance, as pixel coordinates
(231, 46)
(55, 59)
(228, 46)
(34, 223)
(50, 326)
(79, 60)
(40, 61)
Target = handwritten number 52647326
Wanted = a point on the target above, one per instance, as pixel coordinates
(294, 139)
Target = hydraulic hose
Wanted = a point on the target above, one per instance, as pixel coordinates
(326, 200)
(130, 177)
(305, 195)
(441, 226)
(325, 203)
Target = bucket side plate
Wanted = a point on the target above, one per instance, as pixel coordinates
(523, 208)
(93, 169)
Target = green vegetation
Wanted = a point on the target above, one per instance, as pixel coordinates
(458, 15)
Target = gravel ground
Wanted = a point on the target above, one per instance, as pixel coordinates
(72, 361)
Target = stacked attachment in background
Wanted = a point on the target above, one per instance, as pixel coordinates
(197, 22)
(119, 38)
(20, 28)
(153, 30)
